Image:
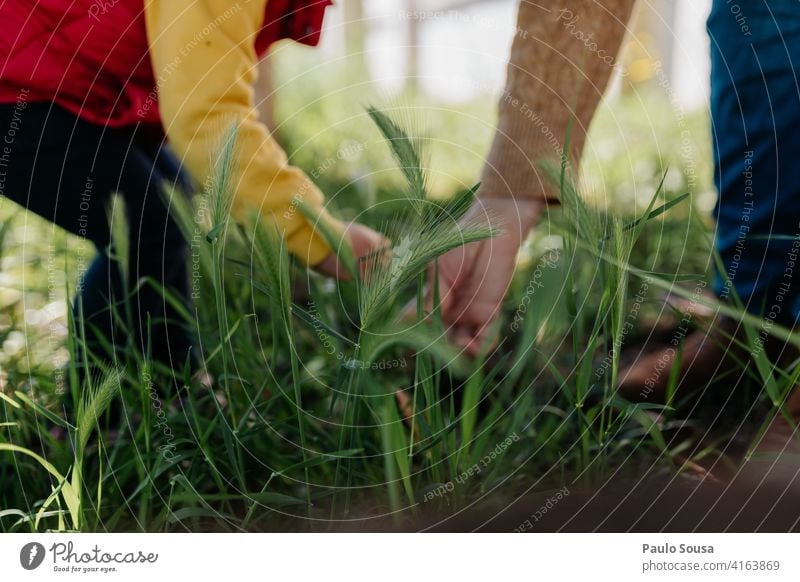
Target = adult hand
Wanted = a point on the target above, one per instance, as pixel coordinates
(362, 240)
(474, 279)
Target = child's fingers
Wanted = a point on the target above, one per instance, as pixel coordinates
(372, 250)
(331, 266)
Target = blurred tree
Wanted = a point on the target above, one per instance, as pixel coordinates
(651, 44)
(355, 32)
(412, 56)
(264, 94)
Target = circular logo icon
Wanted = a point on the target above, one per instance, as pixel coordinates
(31, 555)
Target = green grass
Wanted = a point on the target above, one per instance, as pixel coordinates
(301, 430)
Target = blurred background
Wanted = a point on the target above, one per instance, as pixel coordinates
(455, 50)
(443, 62)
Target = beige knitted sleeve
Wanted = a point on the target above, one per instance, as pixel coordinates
(562, 57)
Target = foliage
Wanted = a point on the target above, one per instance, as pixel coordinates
(301, 428)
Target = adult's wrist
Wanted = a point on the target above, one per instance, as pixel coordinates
(515, 216)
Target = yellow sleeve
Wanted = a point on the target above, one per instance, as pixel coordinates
(204, 61)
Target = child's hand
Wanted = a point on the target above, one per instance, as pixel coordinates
(363, 240)
(473, 279)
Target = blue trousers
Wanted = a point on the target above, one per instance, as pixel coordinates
(66, 170)
(755, 110)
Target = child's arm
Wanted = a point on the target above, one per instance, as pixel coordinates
(204, 60)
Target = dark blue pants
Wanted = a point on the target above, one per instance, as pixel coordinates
(755, 108)
(66, 170)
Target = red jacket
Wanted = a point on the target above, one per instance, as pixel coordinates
(91, 56)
